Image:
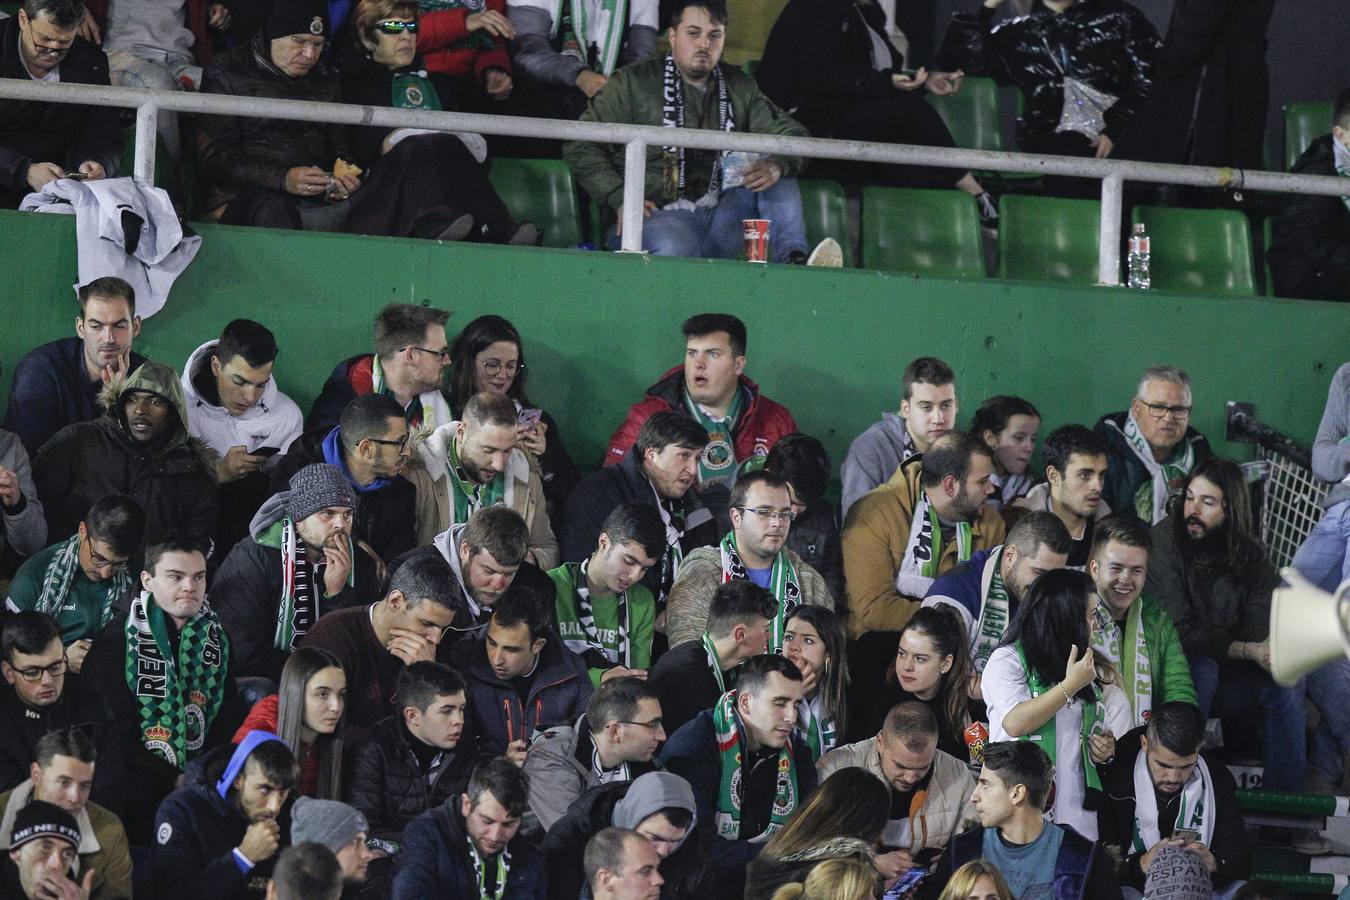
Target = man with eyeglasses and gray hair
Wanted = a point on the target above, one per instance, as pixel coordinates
(1152, 447)
(754, 550)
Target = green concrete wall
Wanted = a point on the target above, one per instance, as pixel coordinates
(600, 327)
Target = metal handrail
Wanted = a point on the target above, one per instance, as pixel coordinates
(636, 139)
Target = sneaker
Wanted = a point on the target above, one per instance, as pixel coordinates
(456, 230)
(1309, 842)
(527, 234)
(828, 254)
(988, 211)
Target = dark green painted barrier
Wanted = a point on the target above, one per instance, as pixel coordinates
(600, 327)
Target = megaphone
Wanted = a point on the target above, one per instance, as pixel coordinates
(1308, 627)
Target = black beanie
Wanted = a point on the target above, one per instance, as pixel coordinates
(298, 17)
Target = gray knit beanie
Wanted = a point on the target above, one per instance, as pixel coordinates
(326, 822)
(318, 486)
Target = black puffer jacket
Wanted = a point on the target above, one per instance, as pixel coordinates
(1106, 43)
(239, 154)
(390, 790)
(1312, 234)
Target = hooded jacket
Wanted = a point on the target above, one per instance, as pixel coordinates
(24, 528)
(103, 843)
(1124, 471)
(246, 594)
(473, 618)
(524, 493)
(196, 831)
(435, 863)
(274, 421)
(873, 457)
(557, 695)
(625, 804)
(1312, 234)
(169, 477)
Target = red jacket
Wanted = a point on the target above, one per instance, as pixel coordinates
(761, 423)
(438, 40)
(263, 717)
(197, 22)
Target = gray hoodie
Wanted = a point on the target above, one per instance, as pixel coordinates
(652, 793)
(25, 530)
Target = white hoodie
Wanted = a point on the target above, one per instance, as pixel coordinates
(274, 421)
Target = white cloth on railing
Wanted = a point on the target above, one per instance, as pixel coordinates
(125, 229)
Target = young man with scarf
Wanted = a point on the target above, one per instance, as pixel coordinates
(410, 358)
(1075, 473)
(1141, 642)
(929, 789)
(689, 677)
(163, 670)
(928, 408)
(371, 446)
(37, 701)
(80, 581)
(469, 847)
(1160, 783)
(694, 201)
(755, 549)
(987, 589)
(658, 470)
(475, 464)
(615, 740)
(1151, 448)
(297, 563)
(605, 614)
(1036, 857)
(222, 836)
(749, 769)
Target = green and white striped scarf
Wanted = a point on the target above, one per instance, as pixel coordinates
(1150, 501)
(1094, 722)
(605, 33)
(923, 552)
(60, 574)
(585, 614)
(783, 585)
(469, 496)
(1196, 811)
(1135, 668)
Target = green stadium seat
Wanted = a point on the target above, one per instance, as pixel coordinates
(1048, 239)
(926, 232)
(825, 213)
(540, 191)
(1267, 238)
(1303, 124)
(1199, 251)
(972, 115)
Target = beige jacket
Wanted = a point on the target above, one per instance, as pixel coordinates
(946, 811)
(103, 843)
(524, 494)
(874, 539)
(700, 574)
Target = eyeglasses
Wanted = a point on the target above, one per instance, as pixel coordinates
(99, 561)
(392, 27)
(47, 46)
(443, 355)
(1159, 410)
(401, 443)
(653, 724)
(35, 673)
(493, 366)
(773, 515)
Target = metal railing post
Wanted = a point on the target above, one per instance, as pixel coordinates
(147, 125)
(634, 192)
(1108, 252)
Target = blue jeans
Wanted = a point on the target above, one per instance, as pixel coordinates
(1323, 559)
(716, 233)
(1230, 688)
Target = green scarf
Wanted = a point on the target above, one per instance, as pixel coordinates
(480, 873)
(412, 90)
(572, 20)
(1150, 500)
(923, 550)
(432, 410)
(718, 461)
(177, 697)
(727, 726)
(714, 663)
(584, 613)
(1094, 715)
(299, 606)
(1135, 667)
(60, 574)
(816, 729)
(993, 616)
(469, 497)
(782, 584)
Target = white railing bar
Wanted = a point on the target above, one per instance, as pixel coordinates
(1108, 248)
(147, 121)
(634, 193)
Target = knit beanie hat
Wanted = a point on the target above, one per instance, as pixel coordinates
(40, 819)
(298, 17)
(1177, 874)
(318, 486)
(325, 822)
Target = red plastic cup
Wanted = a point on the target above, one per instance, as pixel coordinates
(756, 240)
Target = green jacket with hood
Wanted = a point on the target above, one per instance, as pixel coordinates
(169, 476)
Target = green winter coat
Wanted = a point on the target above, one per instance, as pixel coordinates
(1171, 670)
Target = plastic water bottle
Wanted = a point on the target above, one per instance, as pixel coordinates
(1137, 262)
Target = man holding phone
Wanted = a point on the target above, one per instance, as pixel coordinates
(1161, 792)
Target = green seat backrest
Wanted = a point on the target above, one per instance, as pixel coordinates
(1303, 124)
(825, 214)
(926, 232)
(1267, 238)
(1048, 239)
(540, 191)
(1199, 251)
(971, 114)
(749, 67)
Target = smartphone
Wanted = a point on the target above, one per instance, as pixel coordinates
(77, 176)
(907, 882)
(266, 451)
(1189, 835)
(528, 416)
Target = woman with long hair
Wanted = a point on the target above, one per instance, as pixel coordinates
(977, 880)
(1008, 427)
(834, 879)
(489, 356)
(843, 819)
(932, 665)
(1044, 684)
(306, 713)
(813, 638)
